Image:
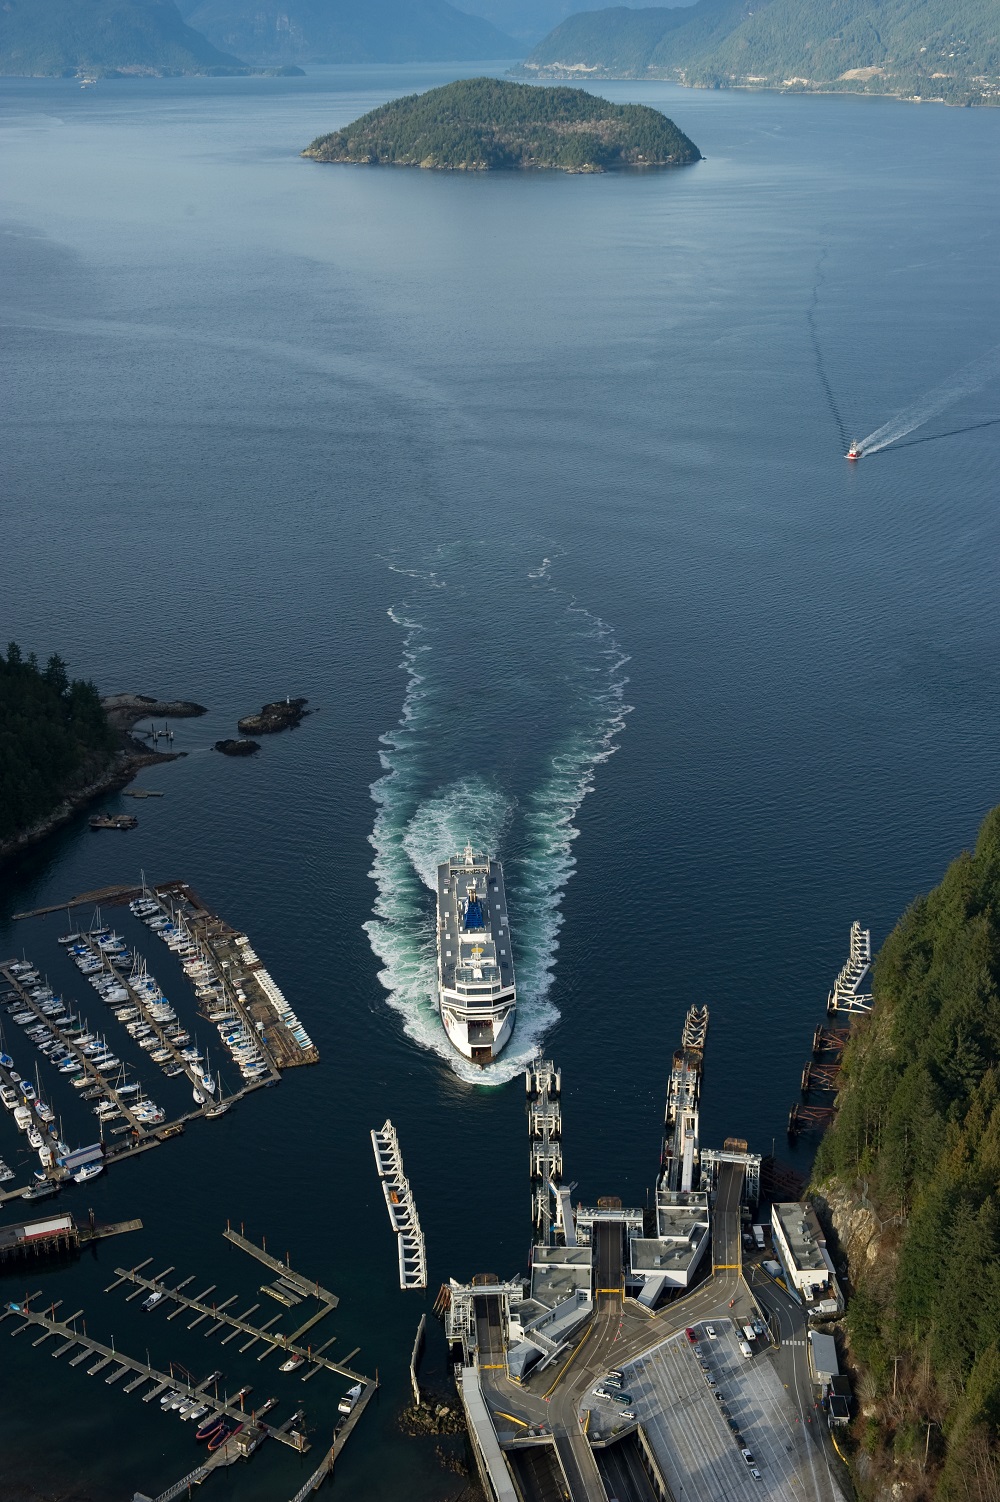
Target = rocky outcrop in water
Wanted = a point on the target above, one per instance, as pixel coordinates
(235, 747)
(283, 714)
(125, 710)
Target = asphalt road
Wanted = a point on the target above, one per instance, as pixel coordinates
(619, 1333)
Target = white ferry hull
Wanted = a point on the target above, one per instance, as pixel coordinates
(470, 1038)
(476, 992)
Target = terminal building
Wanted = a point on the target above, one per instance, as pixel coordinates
(800, 1243)
(670, 1258)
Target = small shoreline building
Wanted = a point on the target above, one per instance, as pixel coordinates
(800, 1243)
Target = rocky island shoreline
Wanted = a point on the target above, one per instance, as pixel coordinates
(129, 756)
(486, 124)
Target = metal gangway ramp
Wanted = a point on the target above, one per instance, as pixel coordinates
(402, 1211)
(846, 994)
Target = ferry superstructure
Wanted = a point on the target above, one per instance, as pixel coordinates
(476, 993)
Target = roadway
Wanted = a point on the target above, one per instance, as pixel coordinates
(621, 1331)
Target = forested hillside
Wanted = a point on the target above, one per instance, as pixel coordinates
(929, 49)
(136, 37)
(479, 124)
(54, 737)
(918, 1132)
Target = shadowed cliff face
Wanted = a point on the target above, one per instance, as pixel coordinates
(349, 31)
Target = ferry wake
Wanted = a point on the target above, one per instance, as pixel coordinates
(476, 993)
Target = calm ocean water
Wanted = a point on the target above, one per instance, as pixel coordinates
(534, 486)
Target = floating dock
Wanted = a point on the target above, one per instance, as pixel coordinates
(402, 1211)
(302, 1286)
(210, 1319)
(110, 1356)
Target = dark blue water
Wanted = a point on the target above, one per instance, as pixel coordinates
(534, 486)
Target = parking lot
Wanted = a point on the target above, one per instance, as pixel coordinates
(685, 1423)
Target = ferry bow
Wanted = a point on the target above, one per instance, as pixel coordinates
(476, 993)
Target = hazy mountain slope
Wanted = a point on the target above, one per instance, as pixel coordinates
(528, 21)
(348, 31)
(53, 37)
(928, 48)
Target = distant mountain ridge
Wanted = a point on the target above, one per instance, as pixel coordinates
(528, 21)
(348, 31)
(46, 38)
(921, 49)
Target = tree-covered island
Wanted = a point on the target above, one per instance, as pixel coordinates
(481, 124)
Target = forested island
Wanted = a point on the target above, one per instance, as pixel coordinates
(481, 124)
(946, 50)
(62, 745)
(54, 737)
(910, 1171)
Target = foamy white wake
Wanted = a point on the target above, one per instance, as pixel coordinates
(415, 829)
(963, 383)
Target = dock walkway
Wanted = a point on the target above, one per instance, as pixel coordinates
(303, 1285)
(340, 1440)
(272, 1340)
(107, 1354)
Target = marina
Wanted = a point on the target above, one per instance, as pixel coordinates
(228, 991)
(229, 1417)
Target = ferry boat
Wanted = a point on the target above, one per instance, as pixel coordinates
(476, 994)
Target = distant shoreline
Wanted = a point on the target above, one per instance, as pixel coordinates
(583, 76)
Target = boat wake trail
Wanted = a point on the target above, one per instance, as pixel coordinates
(963, 383)
(818, 352)
(500, 756)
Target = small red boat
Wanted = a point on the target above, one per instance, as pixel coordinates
(854, 451)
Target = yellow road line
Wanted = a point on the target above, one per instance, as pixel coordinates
(837, 1448)
(725, 1267)
(569, 1363)
(513, 1419)
(491, 1366)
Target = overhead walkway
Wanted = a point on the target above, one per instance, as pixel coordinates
(497, 1481)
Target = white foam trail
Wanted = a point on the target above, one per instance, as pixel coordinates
(414, 830)
(549, 818)
(353, 368)
(963, 383)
